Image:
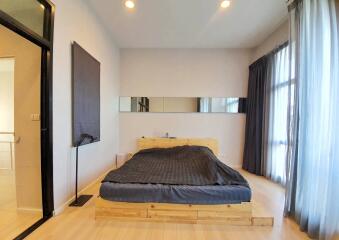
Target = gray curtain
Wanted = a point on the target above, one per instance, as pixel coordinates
(255, 116)
(266, 135)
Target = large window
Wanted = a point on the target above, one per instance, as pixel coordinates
(278, 107)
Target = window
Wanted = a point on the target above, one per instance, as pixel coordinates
(278, 107)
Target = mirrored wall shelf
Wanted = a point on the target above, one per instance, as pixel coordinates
(183, 104)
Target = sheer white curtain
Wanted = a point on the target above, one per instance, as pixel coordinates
(205, 105)
(232, 105)
(277, 101)
(313, 158)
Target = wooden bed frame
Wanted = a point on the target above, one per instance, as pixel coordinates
(145, 143)
(228, 214)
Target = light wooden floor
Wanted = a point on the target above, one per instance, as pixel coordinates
(79, 223)
(12, 222)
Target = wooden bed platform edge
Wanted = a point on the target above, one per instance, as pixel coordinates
(227, 214)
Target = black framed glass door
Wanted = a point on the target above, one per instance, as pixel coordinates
(33, 20)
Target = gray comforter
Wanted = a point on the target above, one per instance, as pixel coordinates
(184, 165)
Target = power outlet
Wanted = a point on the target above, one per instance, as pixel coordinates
(35, 117)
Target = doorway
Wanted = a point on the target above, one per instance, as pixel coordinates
(21, 198)
(26, 149)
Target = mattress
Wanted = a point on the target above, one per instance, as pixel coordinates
(180, 194)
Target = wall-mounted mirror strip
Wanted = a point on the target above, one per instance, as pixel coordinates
(183, 104)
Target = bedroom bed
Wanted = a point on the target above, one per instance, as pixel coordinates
(177, 180)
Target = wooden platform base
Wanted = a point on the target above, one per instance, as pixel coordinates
(228, 214)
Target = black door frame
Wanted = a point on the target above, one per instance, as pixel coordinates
(46, 103)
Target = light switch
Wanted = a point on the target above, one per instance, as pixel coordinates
(35, 117)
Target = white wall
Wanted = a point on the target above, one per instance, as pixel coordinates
(278, 37)
(185, 73)
(75, 21)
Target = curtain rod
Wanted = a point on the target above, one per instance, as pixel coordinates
(278, 48)
(266, 56)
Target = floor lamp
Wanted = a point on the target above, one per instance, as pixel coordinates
(82, 199)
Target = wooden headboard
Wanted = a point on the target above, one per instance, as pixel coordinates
(145, 143)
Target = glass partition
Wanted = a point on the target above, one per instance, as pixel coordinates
(183, 104)
(28, 12)
(27, 27)
(20, 132)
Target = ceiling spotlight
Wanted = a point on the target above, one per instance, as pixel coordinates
(225, 4)
(129, 4)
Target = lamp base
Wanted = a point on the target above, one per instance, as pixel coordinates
(81, 201)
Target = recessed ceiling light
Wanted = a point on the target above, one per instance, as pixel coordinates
(129, 4)
(225, 4)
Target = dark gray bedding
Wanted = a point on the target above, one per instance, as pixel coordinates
(185, 174)
(183, 165)
(181, 194)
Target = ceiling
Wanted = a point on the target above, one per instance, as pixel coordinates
(190, 23)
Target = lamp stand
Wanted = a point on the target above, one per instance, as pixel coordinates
(82, 199)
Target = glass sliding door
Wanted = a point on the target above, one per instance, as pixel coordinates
(26, 33)
(20, 79)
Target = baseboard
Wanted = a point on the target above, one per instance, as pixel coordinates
(236, 167)
(29, 210)
(61, 208)
(6, 171)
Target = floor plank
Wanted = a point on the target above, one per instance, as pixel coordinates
(12, 222)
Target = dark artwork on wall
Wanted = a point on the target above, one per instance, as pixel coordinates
(86, 96)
